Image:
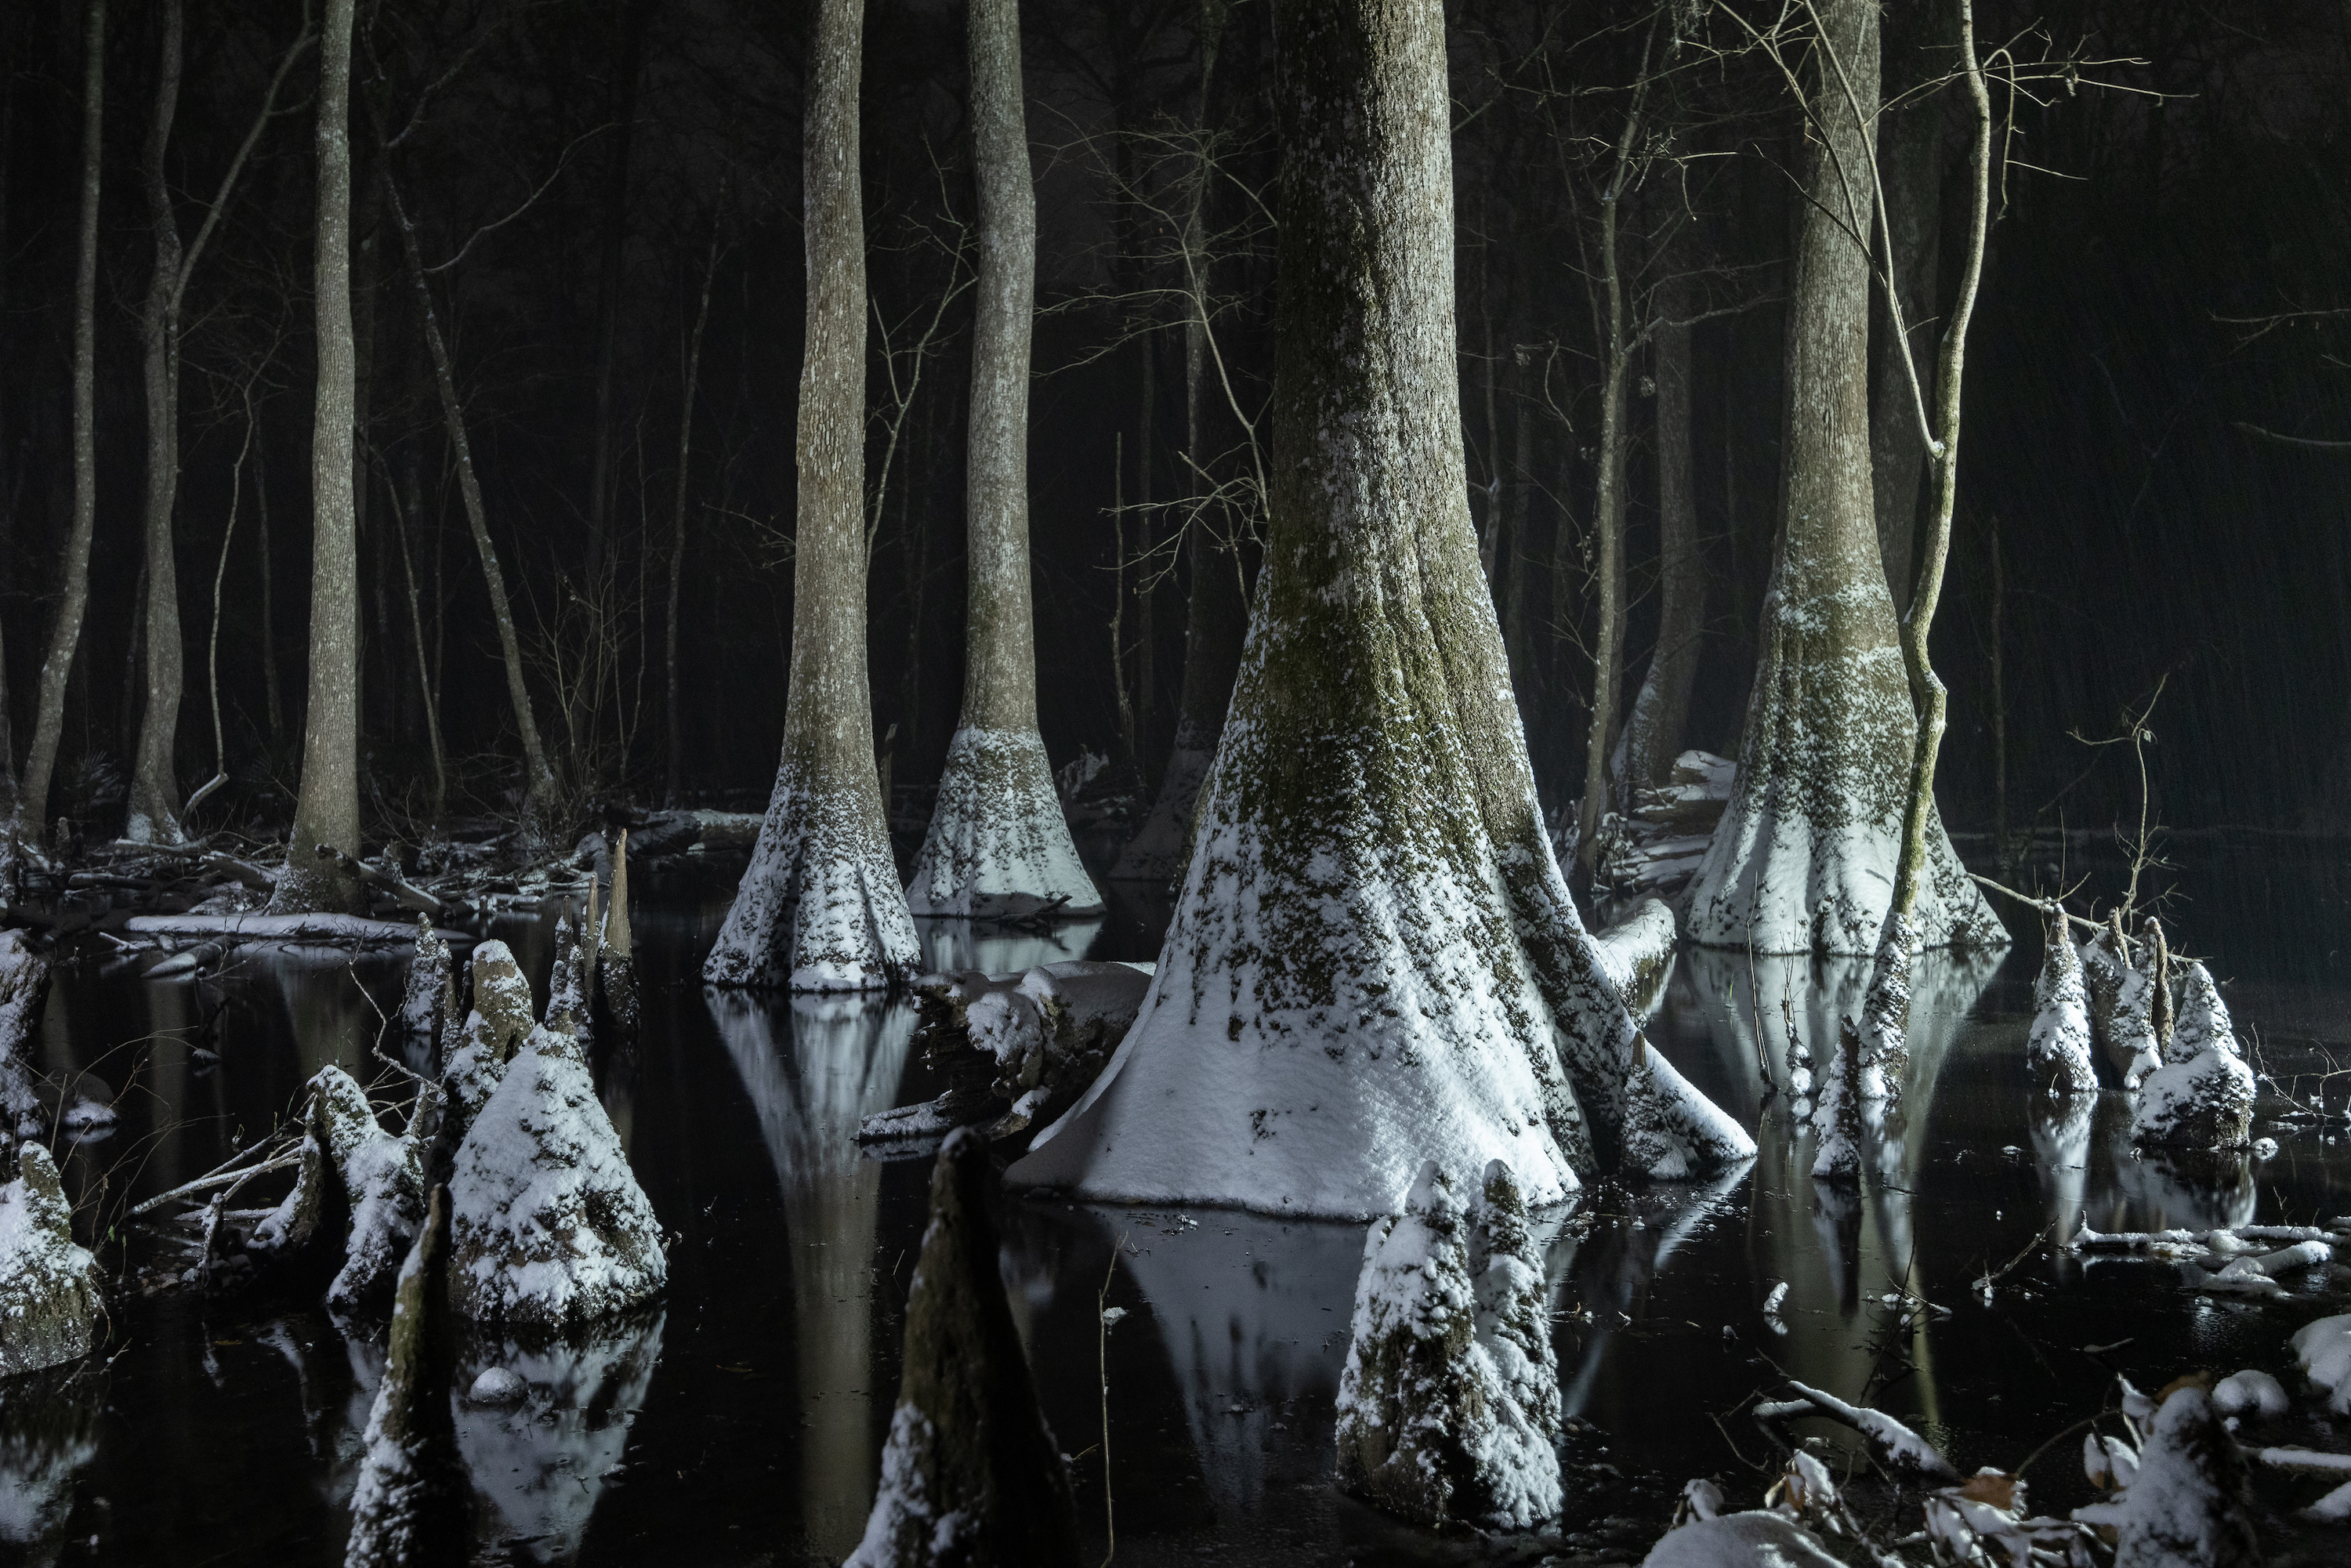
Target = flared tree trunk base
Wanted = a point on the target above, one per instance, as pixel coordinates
(999, 846)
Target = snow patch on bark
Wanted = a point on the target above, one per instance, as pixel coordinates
(819, 908)
(999, 845)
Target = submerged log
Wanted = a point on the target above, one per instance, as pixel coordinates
(970, 1473)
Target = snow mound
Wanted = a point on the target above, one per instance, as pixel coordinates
(51, 1291)
(502, 1018)
(1446, 1412)
(2322, 1350)
(1750, 1540)
(2250, 1393)
(2188, 1502)
(2057, 1048)
(409, 1507)
(970, 1473)
(999, 845)
(549, 1224)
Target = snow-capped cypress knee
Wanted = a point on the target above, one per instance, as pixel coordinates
(429, 1005)
(999, 845)
(1448, 1406)
(1372, 957)
(51, 1289)
(410, 1509)
(547, 1223)
(503, 1015)
(2203, 1097)
(970, 1474)
(350, 1166)
(820, 907)
(2057, 1048)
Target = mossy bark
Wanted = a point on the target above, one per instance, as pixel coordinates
(1373, 958)
(819, 908)
(1806, 857)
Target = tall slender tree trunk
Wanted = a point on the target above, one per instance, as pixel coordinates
(1803, 859)
(999, 843)
(819, 908)
(1373, 959)
(1917, 50)
(674, 783)
(1653, 735)
(538, 779)
(328, 809)
(154, 781)
(636, 18)
(73, 587)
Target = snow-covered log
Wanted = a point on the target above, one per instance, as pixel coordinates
(51, 1289)
(2057, 1047)
(314, 930)
(1448, 1406)
(410, 1509)
(1373, 959)
(820, 907)
(2188, 1501)
(549, 1225)
(1637, 953)
(1017, 1051)
(970, 1473)
(502, 1018)
(2322, 1348)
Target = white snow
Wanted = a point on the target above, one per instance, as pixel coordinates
(2057, 1047)
(2182, 1505)
(2250, 1393)
(2322, 1350)
(1750, 1540)
(547, 1223)
(291, 930)
(2204, 1022)
(497, 1386)
(2204, 1102)
(999, 845)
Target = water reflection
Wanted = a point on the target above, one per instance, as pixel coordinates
(949, 945)
(815, 1068)
(48, 1433)
(539, 1469)
(1608, 1263)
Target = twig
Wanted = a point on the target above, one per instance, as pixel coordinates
(1101, 1341)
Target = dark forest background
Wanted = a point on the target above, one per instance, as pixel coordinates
(2122, 426)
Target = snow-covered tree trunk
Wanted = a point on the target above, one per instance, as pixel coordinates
(819, 908)
(73, 598)
(1806, 857)
(1653, 732)
(999, 845)
(1373, 959)
(327, 810)
(154, 783)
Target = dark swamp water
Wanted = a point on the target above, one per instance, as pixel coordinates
(741, 1422)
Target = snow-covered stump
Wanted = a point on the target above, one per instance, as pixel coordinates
(429, 1007)
(999, 846)
(2057, 1047)
(1015, 1050)
(502, 1018)
(567, 978)
(351, 1168)
(970, 1473)
(1373, 958)
(820, 907)
(51, 1290)
(1885, 1033)
(1447, 1412)
(549, 1225)
(2203, 1097)
(1837, 1123)
(616, 955)
(2121, 996)
(2188, 1501)
(409, 1507)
